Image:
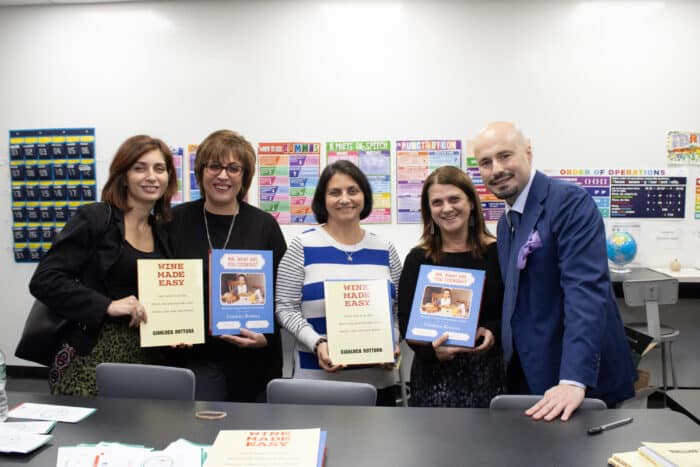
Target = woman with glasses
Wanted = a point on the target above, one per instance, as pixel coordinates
(233, 368)
(339, 248)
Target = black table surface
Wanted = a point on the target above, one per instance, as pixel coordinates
(369, 436)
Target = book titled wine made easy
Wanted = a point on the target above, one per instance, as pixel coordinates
(446, 300)
(240, 291)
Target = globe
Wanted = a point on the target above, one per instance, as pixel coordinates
(621, 250)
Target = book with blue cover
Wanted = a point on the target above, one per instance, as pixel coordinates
(446, 300)
(240, 291)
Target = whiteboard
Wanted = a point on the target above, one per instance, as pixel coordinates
(594, 84)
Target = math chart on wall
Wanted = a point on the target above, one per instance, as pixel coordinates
(492, 207)
(52, 174)
(288, 177)
(414, 161)
(632, 193)
(647, 193)
(595, 181)
(374, 159)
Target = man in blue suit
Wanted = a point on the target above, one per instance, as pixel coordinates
(562, 333)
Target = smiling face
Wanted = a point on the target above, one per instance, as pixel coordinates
(344, 199)
(450, 209)
(147, 179)
(220, 186)
(504, 158)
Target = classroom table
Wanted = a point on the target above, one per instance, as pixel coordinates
(686, 401)
(370, 436)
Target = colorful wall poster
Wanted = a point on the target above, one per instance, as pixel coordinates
(374, 159)
(415, 160)
(52, 173)
(178, 160)
(288, 177)
(595, 181)
(491, 206)
(192, 187)
(646, 193)
(683, 147)
(697, 198)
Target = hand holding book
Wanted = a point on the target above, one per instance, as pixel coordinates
(484, 339)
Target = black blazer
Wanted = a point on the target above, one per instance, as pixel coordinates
(71, 278)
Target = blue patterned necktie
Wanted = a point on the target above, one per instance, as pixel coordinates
(506, 330)
(513, 222)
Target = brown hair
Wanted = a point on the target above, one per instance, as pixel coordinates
(478, 234)
(217, 147)
(130, 151)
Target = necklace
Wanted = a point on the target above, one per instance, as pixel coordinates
(348, 254)
(206, 227)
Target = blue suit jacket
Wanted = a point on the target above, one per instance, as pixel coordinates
(561, 306)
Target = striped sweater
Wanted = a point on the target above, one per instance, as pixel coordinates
(311, 258)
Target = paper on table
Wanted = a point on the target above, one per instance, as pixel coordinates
(38, 428)
(12, 440)
(58, 413)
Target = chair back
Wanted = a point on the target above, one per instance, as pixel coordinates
(137, 381)
(525, 401)
(320, 392)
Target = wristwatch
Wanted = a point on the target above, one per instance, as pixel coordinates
(318, 342)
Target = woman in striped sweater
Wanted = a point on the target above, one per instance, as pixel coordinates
(339, 248)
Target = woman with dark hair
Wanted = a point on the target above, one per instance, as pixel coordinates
(455, 235)
(233, 368)
(89, 274)
(337, 249)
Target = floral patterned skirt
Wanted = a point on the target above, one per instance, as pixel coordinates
(73, 374)
(470, 380)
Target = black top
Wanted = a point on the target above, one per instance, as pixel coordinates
(123, 280)
(254, 230)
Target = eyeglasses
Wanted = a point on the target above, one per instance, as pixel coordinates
(215, 168)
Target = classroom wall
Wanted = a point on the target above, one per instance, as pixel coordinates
(594, 84)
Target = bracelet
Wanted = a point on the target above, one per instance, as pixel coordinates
(319, 342)
(210, 415)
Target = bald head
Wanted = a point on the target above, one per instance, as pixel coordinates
(504, 157)
(505, 132)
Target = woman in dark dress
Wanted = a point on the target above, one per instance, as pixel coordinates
(235, 368)
(455, 235)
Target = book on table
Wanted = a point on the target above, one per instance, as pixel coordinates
(446, 300)
(241, 291)
(359, 323)
(293, 448)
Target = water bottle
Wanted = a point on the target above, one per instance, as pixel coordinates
(3, 383)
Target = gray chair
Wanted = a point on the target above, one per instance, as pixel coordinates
(136, 381)
(320, 392)
(525, 401)
(650, 289)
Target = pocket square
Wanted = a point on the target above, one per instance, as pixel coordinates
(533, 243)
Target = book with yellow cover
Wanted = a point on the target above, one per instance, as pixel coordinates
(292, 448)
(172, 292)
(684, 454)
(629, 459)
(359, 323)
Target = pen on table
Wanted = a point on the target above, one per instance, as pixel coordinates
(609, 426)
